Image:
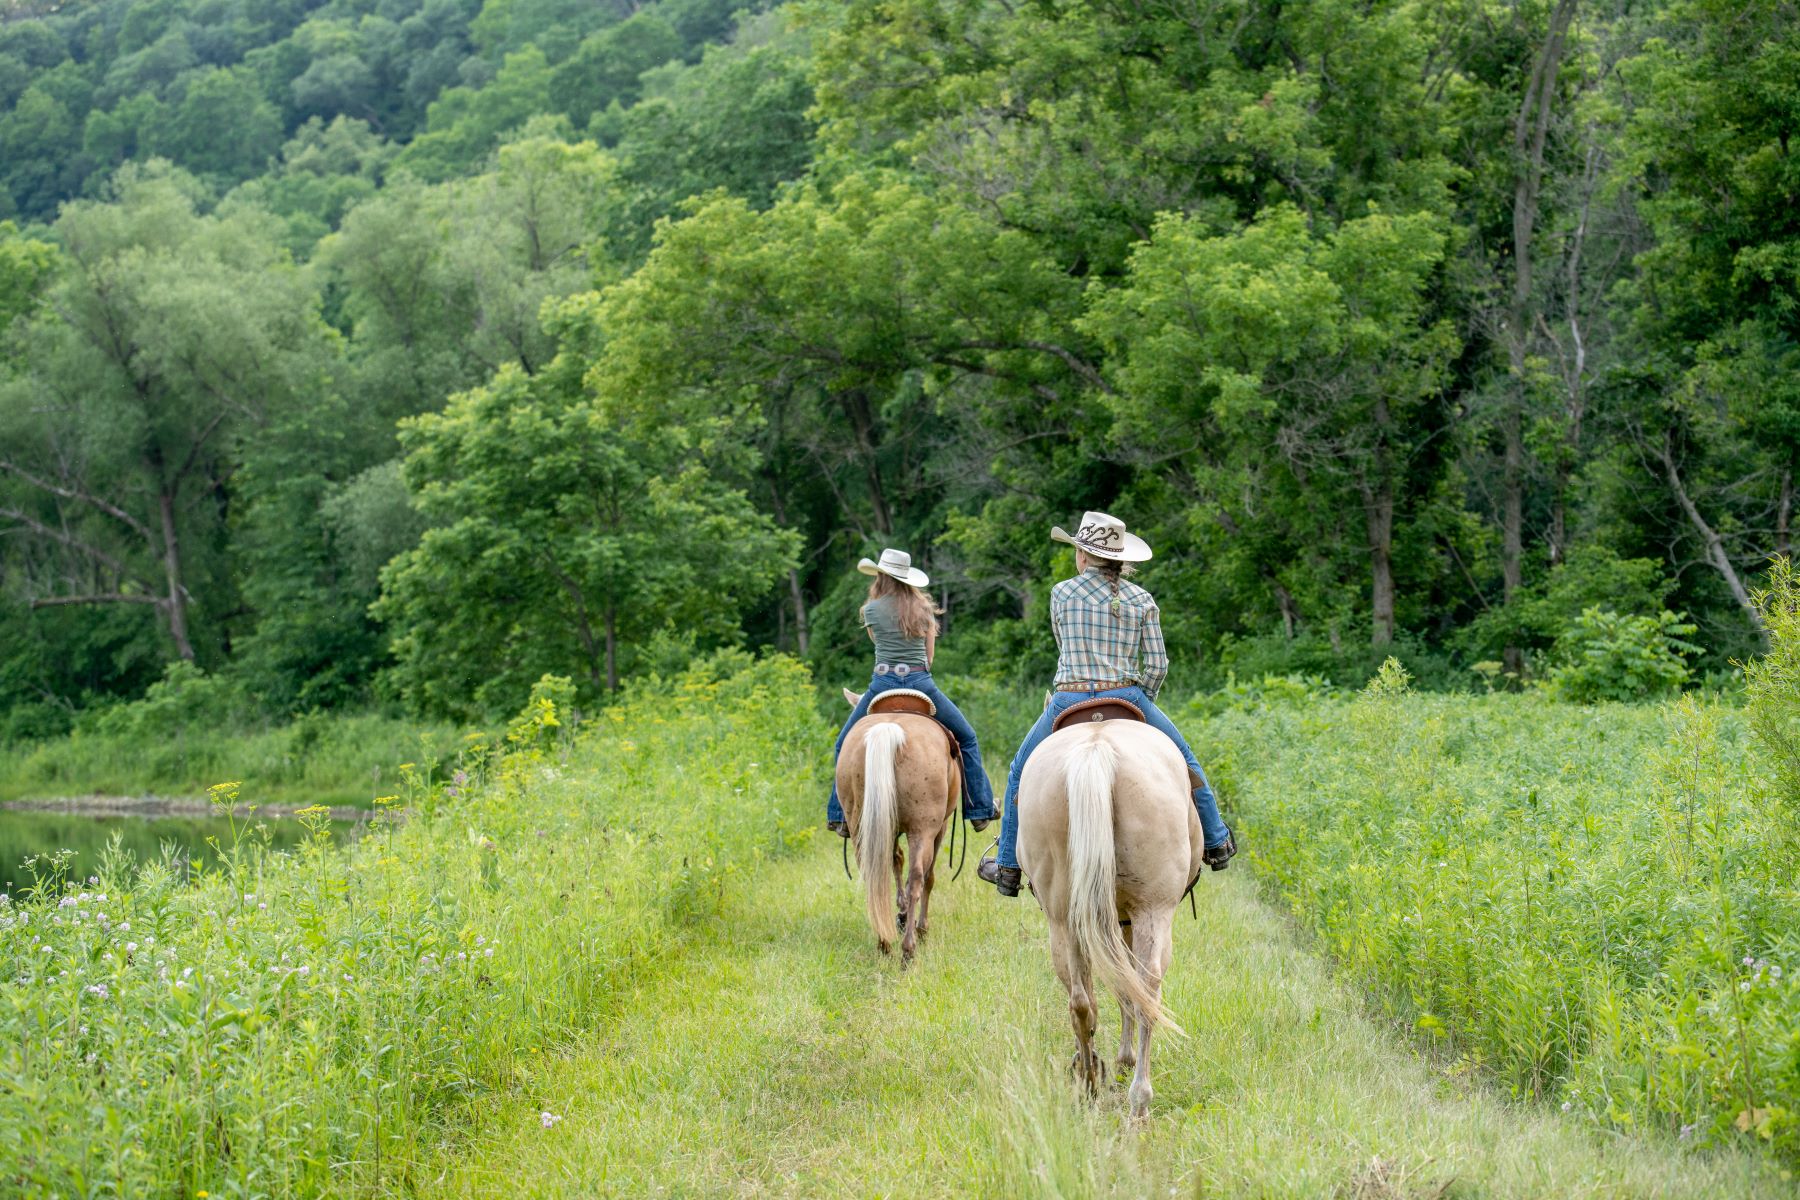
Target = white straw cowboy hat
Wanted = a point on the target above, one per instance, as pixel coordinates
(897, 563)
(1104, 536)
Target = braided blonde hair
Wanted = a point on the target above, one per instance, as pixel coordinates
(1111, 569)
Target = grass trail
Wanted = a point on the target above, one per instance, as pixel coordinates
(782, 1056)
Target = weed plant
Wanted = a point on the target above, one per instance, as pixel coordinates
(1597, 904)
(312, 1022)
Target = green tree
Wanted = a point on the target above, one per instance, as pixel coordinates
(169, 336)
(562, 533)
(1302, 361)
(736, 120)
(465, 124)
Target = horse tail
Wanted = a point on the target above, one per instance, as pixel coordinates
(1090, 772)
(875, 832)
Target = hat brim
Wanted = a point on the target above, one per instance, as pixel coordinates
(1136, 549)
(912, 575)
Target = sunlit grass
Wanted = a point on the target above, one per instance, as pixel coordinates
(786, 1057)
(307, 1023)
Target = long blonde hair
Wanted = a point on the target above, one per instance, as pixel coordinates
(914, 609)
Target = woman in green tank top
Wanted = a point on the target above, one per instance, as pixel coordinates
(901, 620)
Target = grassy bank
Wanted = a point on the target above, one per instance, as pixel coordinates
(318, 759)
(306, 1023)
(1597, 905)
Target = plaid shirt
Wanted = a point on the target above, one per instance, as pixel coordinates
(1099, 646)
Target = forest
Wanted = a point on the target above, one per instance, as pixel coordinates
(385, 352)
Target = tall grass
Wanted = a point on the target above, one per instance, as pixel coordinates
(306, 1023)
(316, 759)
(1597, 904)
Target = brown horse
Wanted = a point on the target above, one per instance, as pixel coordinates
(896, 776)
(1108, 835)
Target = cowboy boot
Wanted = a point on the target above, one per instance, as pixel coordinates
(841, 828)
(1006, 880)
(1219, 857)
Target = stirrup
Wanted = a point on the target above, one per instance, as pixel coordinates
(1006, 880)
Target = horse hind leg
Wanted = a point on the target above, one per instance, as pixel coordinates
(1153, 944)
(900, 882)
(1127, 1059)
(1083, 1014)
(937, 845)
(919, 847)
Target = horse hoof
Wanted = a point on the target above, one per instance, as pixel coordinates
(1124, 1069)
(886, 947)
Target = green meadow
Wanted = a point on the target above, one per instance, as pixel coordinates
(617, 957)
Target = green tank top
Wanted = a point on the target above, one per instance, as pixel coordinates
(891, 646)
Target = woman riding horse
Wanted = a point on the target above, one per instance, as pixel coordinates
(902, 622)
(1110, 644)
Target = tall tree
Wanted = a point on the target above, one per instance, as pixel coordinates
(166, 338)
(565, 532)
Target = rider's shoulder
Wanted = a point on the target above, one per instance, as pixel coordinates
(1137, 596)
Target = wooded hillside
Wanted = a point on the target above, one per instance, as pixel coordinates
(413, 350)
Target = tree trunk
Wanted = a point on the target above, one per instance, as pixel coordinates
(1378, 511)
(1512, 540)
(175, 604)
(1784, 513)
(1290, 611)
(862, 424)
(1716, 553)
(1530, 130)
(802, 631)
(612, 649)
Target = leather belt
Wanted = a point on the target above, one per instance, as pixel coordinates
(1085, 686)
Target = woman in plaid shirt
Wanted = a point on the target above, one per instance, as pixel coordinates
(1110, 644)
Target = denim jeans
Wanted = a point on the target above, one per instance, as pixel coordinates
(978, 793)
(1205, 803)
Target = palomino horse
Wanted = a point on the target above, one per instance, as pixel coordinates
(896, 775)
(1108, 833)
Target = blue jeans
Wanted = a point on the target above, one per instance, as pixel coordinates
(978, 793)
(1205, 803)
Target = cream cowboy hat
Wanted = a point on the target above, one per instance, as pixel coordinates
(897, 563)
(1104, 536)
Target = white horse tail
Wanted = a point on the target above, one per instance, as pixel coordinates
(1090, 771)
(875, 832)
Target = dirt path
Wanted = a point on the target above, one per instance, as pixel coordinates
(784, 1057)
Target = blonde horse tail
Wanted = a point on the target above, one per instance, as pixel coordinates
(1089, 774)
(875, 832)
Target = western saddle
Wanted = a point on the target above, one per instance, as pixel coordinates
(1102, 708)
(911, 700)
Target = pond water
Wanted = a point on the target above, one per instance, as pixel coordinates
(25, 832)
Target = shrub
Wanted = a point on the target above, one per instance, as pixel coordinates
(1608, 656)
(1773, 681)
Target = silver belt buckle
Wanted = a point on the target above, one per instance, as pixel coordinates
(902, 671)
(882, 668)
